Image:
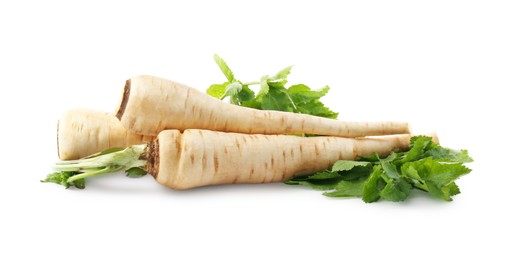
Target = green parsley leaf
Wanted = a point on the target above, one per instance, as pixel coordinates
(447, 155)
(344, 165)
(279, 80)
(324, 175)
(356, 172)
(264, 87)
(347, 188)
(390, 169)
(373, 158)
(303, 94)
(282, 74)
(439, 173)
(396, 190)
(307, 101)
(373, 186)
(411, 172)
(245, 95)
(217, 90)
(277, 83)
(224, 68)
(417, 149)
(61, 178)
(443, 192)
(232, 89)
(275, 100)
(316, 108)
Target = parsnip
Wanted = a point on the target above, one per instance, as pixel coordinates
(151, 104)
(82, 132)
(200, 157)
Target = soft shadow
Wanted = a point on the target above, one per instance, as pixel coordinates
(225, 189)
(119, 184)
(417, 199)
(147, 185)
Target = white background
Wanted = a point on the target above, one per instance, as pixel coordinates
(451, 66)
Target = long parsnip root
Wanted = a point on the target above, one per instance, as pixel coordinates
(82, 132)
(151, 104)
(200, 157)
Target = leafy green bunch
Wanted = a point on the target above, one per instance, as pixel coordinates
(273, 93)
(73, 172)
(426, 166)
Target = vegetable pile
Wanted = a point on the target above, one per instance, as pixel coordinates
(184, 140)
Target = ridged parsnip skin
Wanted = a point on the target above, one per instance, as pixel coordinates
(151, 104)
(82, 132)
(202, 157)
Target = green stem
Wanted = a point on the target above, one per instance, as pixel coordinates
(104, 162)
(252, 83)
(93, 173)
(292, 102)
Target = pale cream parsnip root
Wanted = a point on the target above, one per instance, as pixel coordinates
(82, 132)
(152, 104)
